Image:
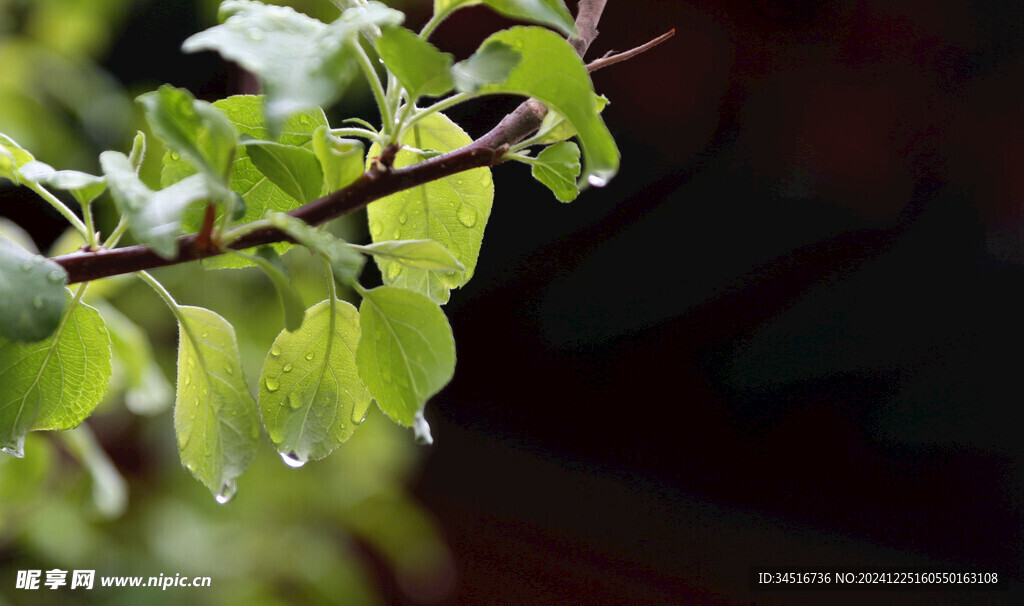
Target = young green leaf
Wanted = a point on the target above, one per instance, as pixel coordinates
(452, 211)
(146, 390)
(154, 217)
(54, 383)
(557, 167)
(311, 398)
(552, 72)
(406, 352)
(215, 417)
(31, 294)
(291, 303)
(490, 64)
(83, 186)
(260, 194)
(555, 127)
(295, 170)
(12, 157)
(340, 159)
(552, 13)
(418, 65)
(194, 129)
(138, 153)
(418, 254)
(346, 264)
(301, 62)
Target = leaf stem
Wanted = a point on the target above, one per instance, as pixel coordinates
(386, 115)
(115, 236)
(166, 296)
(354, 132)
(440, 105)
(64, 210)
(431, 25)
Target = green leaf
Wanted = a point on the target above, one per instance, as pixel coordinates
(555, 127)
(452, 211)
(54, 383)
(418, 254)
(146, 390)
(301, 62)
(418, 65)
(295, 170)
(138, 153)
(340, 159)
(557, 167)
(215, 417)
(31, 294)
(83, 186)
(291, 303)
(552, 13)
(12, 157)
(490, 64)
(260, 194)
(553, 73)
(196, 130)
(346, 264)
(406, 352)
(154, 217)
(311, 397)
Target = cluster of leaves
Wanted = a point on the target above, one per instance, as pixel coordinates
(239, 165)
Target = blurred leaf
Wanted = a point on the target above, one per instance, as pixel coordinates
(452, 211)
(301, 62)
(31, 293)
(418, 254)
(418, 65)
(406, 352)
(490, 64)
(55, 383)
(214, 415)
(154, 217)
(22, 479)
(340, 159)
(109, 489)
(553, 73)
(557, 167)
(291, 303)
(147, 391)
(295, 170)
(311, 397)
(12, 157)
(346, 263)
(552, 13)
(83, 186)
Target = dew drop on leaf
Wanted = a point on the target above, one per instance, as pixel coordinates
(394, 270)
(229, 370)
(597, 181)
(227, 492)
(291, 460)
(287, 368)
(310, 356)
(275, 350)
(295, 400)
(421, 429)
(38, 301)
(55, 276)
(359, 412)
(26, 266)
(271, 384)
(467, 215)
(14, 452)
(376, 228)
(403, 218)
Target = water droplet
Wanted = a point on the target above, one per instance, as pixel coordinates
(55, 276)
(287, 368)
(26, 266)
(254, 34)
(229, 370)
(275, 350)
(376, 228)
(294, 400)
(188, 379)
(310, 356)
(38, 259)
(38, 302)
(292, 460)
(227, 492)
(204, 334)
(175, 155)
(597, 181)
(359, 412)
(394, 270)
(403, 218)
(13, 451)
(421, 429)
(397, 235)
(467, 215)
(271, 384)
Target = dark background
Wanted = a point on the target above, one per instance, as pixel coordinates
(787, 333)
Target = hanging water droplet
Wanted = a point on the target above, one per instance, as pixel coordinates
(310, 356)
(271, 384)
(467, 215)
(597, 181)
(403, 218)
(13, 451)
(376, 228)
(359, 412)
(292, 460)
(55, 276)
(287, 368)
(38, 302)
(227, 492)
(275, 350)
(421, 429)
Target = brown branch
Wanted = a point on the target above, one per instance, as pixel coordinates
(587, 18)
(612, 59)
(381, 180)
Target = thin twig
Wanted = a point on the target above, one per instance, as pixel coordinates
(611, 59)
